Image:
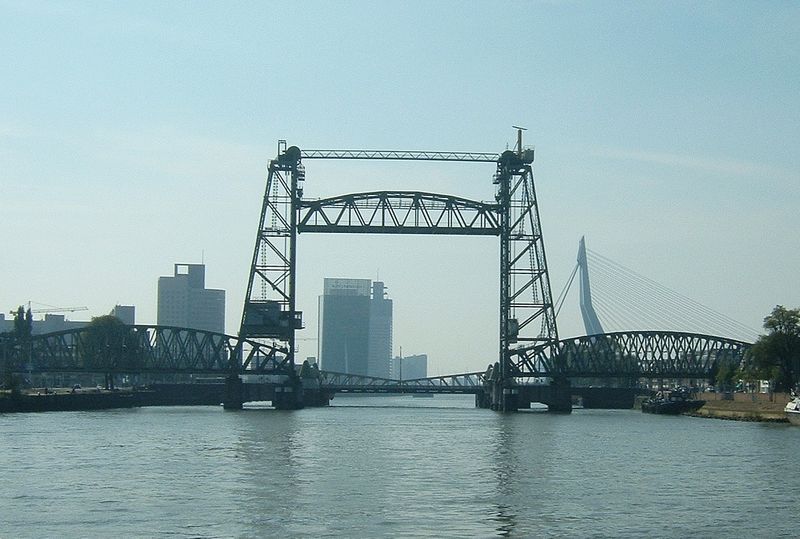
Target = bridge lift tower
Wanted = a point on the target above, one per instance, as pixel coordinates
(527, 317)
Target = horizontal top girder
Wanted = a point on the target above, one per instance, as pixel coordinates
(479, 157)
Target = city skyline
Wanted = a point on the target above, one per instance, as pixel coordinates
(668, 135)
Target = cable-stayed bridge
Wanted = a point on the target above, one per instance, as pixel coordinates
(615, 298)
(532, 364)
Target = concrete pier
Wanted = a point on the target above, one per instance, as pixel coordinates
(503, 398)
(292, 394)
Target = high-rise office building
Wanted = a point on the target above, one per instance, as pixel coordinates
(355, 327)
(409, 367)
(380, 332)
(184, 301)
(126, 313)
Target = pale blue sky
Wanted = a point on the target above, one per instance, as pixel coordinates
(136, 135)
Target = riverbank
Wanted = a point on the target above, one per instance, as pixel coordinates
(743, 406)
(66, 399)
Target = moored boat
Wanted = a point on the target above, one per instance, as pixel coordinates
(792, 410)
(54, 401)
(673, 402)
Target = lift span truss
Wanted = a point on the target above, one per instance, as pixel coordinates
(399, 212)
(526, 306)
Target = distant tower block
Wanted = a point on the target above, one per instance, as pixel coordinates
(380, 332)
(126, 313)
(355, 328)
(184, 301)
(344, 309)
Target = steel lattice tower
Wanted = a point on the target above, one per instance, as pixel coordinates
(527, 317)
(270, 302)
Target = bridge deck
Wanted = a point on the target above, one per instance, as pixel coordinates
(403, 389)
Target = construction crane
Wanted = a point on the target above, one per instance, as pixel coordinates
(52, 309)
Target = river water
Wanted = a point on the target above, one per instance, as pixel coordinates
(394, 467)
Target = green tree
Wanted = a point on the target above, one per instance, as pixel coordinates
(23, 324)
(726, 375)
(16, 347)
(6, 349)
(776, 355)
(109, 344)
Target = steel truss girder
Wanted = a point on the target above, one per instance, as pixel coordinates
(635, 355)
(399, 212)
(163, 349)
(471, 382)
(142, 349)
(475, 157)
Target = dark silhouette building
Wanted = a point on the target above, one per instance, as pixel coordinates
(184, 301)
(355, 327)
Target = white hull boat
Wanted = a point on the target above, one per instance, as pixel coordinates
(793, 411)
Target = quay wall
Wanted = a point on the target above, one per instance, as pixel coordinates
(743, 406)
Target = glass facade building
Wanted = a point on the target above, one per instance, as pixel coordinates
(355, 327)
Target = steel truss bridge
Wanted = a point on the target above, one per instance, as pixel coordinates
(526, 316)
(529, 345)
(155, 350)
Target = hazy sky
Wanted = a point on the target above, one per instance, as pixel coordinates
(134, 135)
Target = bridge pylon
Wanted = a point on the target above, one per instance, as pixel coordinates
(270, 311)
(527, 315)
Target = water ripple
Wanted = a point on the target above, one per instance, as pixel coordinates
(385, 468)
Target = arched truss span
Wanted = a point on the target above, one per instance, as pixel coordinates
(164, 349)
(141, 349)
(399, 212)
(633, 354)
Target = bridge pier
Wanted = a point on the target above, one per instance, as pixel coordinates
(499, 397)
(509, 399)
(560, 398)
(293, 394)
(557, 396)
(234, 393)
(289, 396)
(313, 394)
(482, 400)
